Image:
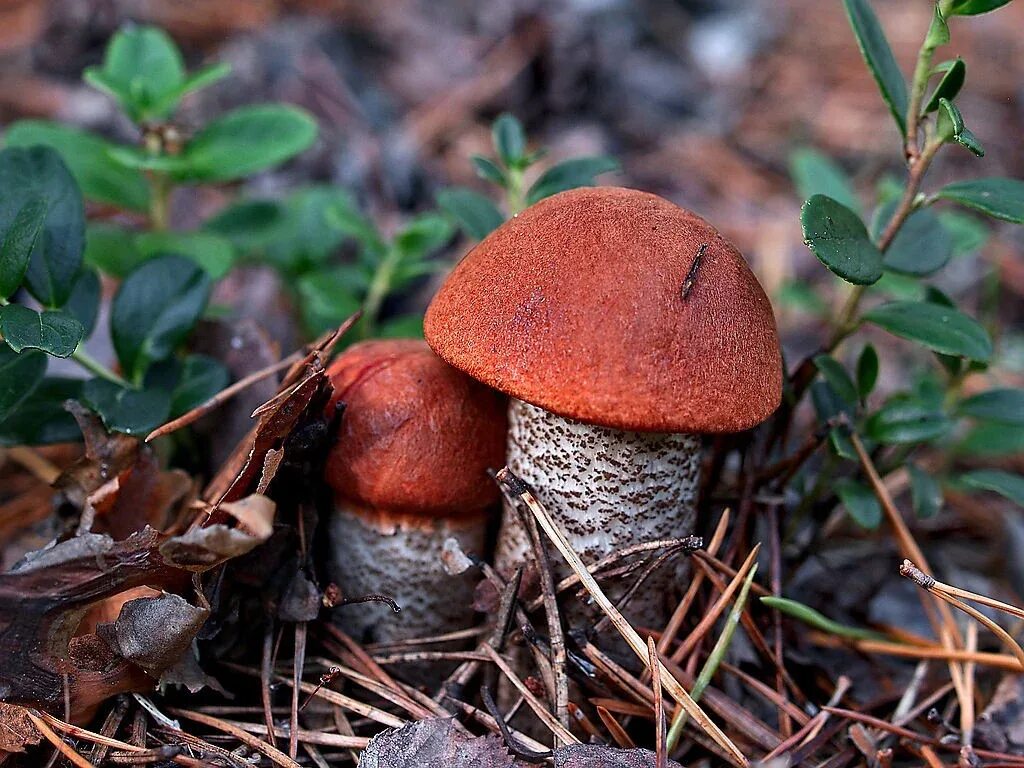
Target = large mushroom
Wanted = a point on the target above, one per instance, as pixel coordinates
(624, 328)
(408, 472)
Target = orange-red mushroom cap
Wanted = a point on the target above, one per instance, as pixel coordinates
(614, 307)
(417, 436)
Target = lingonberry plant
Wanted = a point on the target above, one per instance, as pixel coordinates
(908, 239)
(51, 256)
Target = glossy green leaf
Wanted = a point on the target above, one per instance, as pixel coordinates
(488, 170)
(17, 240)
(326, 298)
(925, 492)
(349, 222)
(922, 245)
(970, 142)
(996, 197)
(859, 502)
(814, 173)
(87, 156)
(569, 174)
(422, 236)
(84, 302)
(992, 438)
(879, 57)
(475, 214)
(867, 370)
(1006, 484)
(938, 30)
(55, 332)
(968, 233)
(972, 7)
(949, 86)
(111, 249)
(904, 419)
(949, 123)
(40, 418)
(132, 411)
(941, 329)
(839, 239)
(39, 173)
(201, 378)
(509, 140)
(143, 70)
(153, 311)
(213, 253)
(1002, 405)
(837, 377)
(19, 376)
(250, 225)
(245, 141)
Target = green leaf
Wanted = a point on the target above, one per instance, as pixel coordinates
(349, 221)
(839, 239)
(132, 411)
(837, 377)
(84, 302)
(1006, 484)
(204, 78)
(213, 253)
(488, 170)
(970, 142)
(925, 492)
(475, 214)
(972, 7)
(154, 310)
(991, 438)
(879, 57)
(87, 156)
(949, 123)
(1005, 406)
(867, 371)
(949, 86)
(201, 378)
(569, 174)
(326, 298)
(245, 141)
(41, 419)
(818, 620)
(18, 240)
(57, 333)
(250, 225)
(968, 233)
(422, 236)
(941, 329)
(921, 246)
(814, 173)
(19, 376)
(28, 175)
(860, 502)
(402, 327)
(996, 197)
(509, 140)
(111, 249)
(906, 419)
(143, 70)
(938, 30)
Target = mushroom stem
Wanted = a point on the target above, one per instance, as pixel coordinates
(608, 489)
(401, 557)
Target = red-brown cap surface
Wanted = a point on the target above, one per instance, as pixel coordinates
(590, 305)
(417, 436)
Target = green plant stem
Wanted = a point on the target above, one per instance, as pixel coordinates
(922, 72)
(160, 197)
(380, 285)
(95, 367)
(516, 200)
(714, 659)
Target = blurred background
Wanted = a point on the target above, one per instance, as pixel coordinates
(701, 101)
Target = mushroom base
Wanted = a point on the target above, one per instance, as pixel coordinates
(608, 490)
(400, 557)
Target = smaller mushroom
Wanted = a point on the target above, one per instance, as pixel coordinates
(408, 472)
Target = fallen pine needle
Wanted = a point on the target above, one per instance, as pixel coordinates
(514, 487)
